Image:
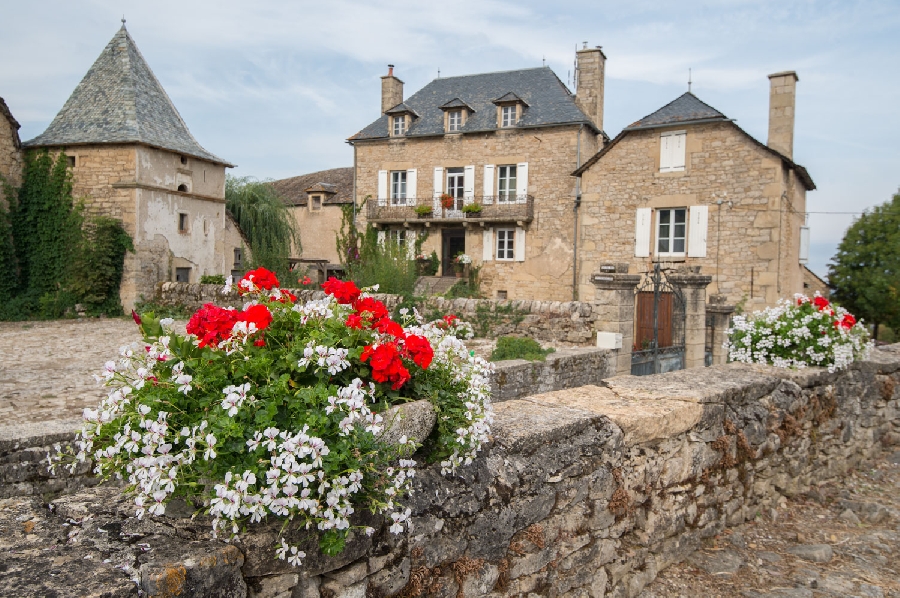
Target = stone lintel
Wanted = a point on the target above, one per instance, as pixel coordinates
(614, 281)
(712, 308)
(689, 280)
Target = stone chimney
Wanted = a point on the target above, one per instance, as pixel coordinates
(590, 69)
(782, 93)
(391, 90)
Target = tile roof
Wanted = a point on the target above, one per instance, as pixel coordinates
(13, 123)
(549, 103)
(687, 108)
(337, 184)
(119, 100)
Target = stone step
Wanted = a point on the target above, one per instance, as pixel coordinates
(434, 285)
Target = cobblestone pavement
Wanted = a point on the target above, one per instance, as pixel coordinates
(47, 368)
(840, 539)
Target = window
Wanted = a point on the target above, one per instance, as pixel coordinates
(315, 202)
(184, 159)
(671, 151)
(182, 223)
(399, 125)
(183, 187)
(501, 295)
(398, 187)
(671, 226)
(508, 116)
(182, 275)
(506, 183)
(454, 120)
(455, 186)
(398, 237)
(506, 243)
(238, 258)
(70, 161)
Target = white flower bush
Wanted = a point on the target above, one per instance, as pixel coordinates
(797, 334)
(275, 411)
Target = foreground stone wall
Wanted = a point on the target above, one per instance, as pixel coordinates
(585, 492)
(569, 321)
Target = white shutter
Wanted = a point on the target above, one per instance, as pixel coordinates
(521, 182)
(469, 183)
(488, 245)
(804, 244)
(677, 145)
(411, 244)
(520, 244)
(642, 232)
(382, 187)
(411, 180)
(665, 153)
(438, 180)
(381, 237)
(488, 188)
(671, 151)
(697, 231)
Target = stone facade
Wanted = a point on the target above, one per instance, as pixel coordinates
(551, 155)
(584, 492)
(10, 148)
(755, 203)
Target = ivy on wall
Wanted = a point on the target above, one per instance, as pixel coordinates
(51, 256)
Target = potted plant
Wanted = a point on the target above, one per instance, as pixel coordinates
(461, 263)
(472, 210)
(447, 201)
(423, 210)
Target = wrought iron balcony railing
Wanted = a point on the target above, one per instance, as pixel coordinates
(494, 208)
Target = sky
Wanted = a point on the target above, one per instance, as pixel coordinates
(277, 87)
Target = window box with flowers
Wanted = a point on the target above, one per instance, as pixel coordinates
(472, 210)
(423, 210)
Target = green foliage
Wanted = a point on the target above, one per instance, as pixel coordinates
(347, 240)
(212, 279)
(489, 314)
(9, 271)
(160, 310)
(865, 271)
(386, 264)
(468, 287)
(516, 347)
(266, 222)
(99, 264)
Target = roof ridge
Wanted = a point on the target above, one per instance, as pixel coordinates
(533, 68)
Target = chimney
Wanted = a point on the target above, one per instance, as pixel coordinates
(782, 92)
(590, 68)
(391, 90)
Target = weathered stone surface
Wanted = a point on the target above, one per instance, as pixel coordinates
(817, 553)
(411, 420)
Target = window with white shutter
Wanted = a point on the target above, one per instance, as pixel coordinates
(438, 181)
(506, 184)
(398, 187)
(642, 232)
(671, 229)
(671, 151)
(382, 187)
(469, 182)
(506, 244)
(697, 231)
(487, 245)
(522, 183)
(411, 181)
(488, 184)
(520, 244)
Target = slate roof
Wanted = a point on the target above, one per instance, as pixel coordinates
(549, 103)
(120, 100)
(336, 184)
(685, 109)
(13, 123)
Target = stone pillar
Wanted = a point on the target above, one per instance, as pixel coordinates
(614, 308)
(693, 287)
(718, 316)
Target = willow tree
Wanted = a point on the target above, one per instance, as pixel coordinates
(263, 217)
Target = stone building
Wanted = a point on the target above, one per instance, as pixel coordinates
(686, 186)
(505, 141)
(134, 159)
(315, 202)
(10, 148)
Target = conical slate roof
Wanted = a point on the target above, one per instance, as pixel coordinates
(121, 101)
(686, 108)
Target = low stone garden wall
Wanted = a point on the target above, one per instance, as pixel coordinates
(583, 492)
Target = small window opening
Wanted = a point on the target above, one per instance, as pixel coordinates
(238, 258)
(184, 159)
(205, 226)
(501, 295)
(182, 223)
(182, 275)
(182, 187)
(316, 202)
(70, 161)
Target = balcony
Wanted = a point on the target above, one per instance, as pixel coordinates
(519, 208)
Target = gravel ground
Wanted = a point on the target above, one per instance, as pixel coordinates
(840, 539)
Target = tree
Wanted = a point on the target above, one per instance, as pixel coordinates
(263, 217)
(865, 271)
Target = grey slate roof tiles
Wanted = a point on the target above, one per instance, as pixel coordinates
(686, 108)
(336, 184)
(120, 100)
(549, 103)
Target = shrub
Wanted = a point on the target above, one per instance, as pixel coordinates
(212, 279)
(386, 264)
(516, 347)
(277, 410)
(805, 332)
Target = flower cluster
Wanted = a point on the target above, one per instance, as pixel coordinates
(463, 259)
(800, 333)
(289, 425)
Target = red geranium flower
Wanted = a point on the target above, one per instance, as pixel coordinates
(257, 314)
(386, 364)
(305, 280)
(212, 324)
(344, 292)
(820, 302)
(419, 349)
(371, 309)
(135, 317)
(261, 278)
(848, 321)
(388, 326)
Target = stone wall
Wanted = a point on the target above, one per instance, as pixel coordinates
(586, 492)
(752, 241)
(10, 148)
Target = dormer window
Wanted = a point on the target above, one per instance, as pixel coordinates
(508, 116)
(399, 126)
(315, 203)
(456, 111)
(454, 120)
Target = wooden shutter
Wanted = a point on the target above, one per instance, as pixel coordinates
(677, 146)
(642, 232)
(520, 244)
(488, 245)
(382, 187)
(804, 244)
(697, 231)
(438, 180)
(469, 183)
(411, 181)
(521, 182)
(488, 188)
